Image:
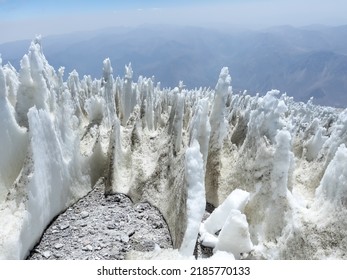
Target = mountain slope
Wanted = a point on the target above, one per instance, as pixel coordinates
(303, 62)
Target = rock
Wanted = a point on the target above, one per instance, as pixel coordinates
(83, 223)
(140, 216)
(158, 225)
(46, 254)
(65, 234)
(58, 255)
(64, 225)
(102, 245)
(84, 214)
(88, 248)
(111, 226)
(124, 238)
(58, 246)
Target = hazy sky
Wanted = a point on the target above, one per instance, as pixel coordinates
(21, 19)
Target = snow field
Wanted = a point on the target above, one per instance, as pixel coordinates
(274, 169)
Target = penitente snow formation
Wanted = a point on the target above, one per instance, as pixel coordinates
(274, 170)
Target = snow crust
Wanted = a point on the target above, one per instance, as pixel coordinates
(274, 169)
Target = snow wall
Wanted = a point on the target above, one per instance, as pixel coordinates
(274, 169)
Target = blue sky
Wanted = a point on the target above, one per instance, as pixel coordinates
(21, 19)
(23, 9)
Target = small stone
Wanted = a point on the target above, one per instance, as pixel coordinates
(58, 255)
(131, 232)
(46, 254)
(58, 246)
(65, 234)
(88, 248)
(111, 226)
(140, 216)
(83, 223)
(103, 245)
(124, 238)
(158, 225)
(84, 214)
(63, 226)
(114, 251)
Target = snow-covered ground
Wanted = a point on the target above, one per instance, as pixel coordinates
(274, 169)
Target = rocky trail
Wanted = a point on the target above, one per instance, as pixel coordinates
(102, 228)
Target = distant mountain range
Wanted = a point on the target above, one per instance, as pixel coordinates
(304, 62)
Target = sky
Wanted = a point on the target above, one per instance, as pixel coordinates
(23, 19)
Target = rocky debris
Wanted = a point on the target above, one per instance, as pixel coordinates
(201, 251)
(102, 228)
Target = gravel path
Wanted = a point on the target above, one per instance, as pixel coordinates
(99, 227)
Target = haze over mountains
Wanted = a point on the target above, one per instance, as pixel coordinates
(304, 62)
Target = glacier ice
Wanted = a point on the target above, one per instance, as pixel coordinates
(225, 219)
(273, 169)
(234, 237)
(235, 201)
(13, 141)
(196, 200)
